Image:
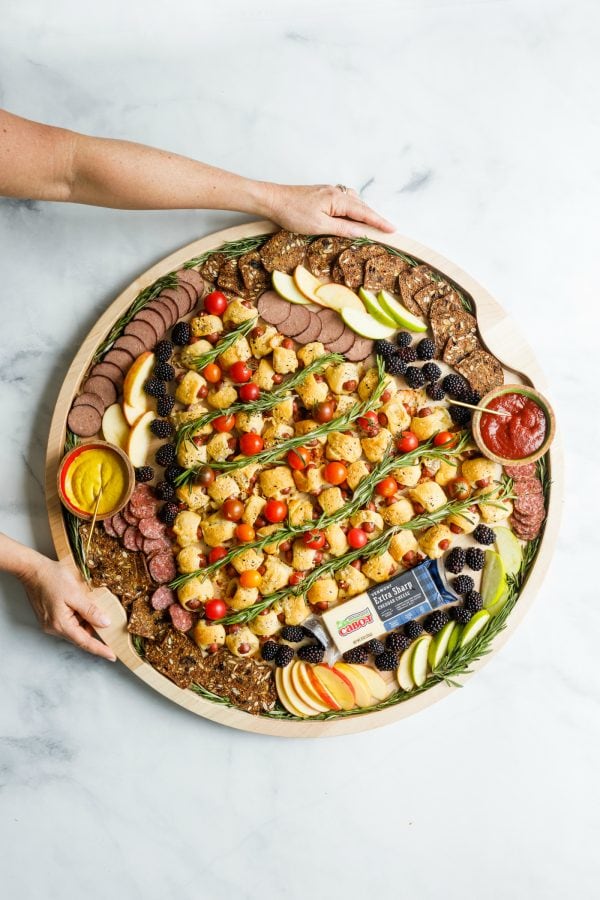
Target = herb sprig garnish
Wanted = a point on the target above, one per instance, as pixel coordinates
(231, 338)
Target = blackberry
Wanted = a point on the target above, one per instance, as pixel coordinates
(414, 377)
(161, 428)
(385, 349)
(356, 655)
(144, 473)
(404, 339)
(292, 633)
(435, 391)
(165, 455)
(397, 642)
(436, 621)
(311, 653)
(181, 334)
(374, 647)
(173, 472)
(483, 534)
(164, 372)
(461, 614)
(460, 415)
(395, 366)
(473, 601)
(386, 661)
(163, 351)
(431, 371)
(475, 398)
(155, 388)
(413, 629)
(475, 558)
(426, 349)
(168, 513)
(407, 354)
(463, 584)
(164, 490)
(284, 656)
(457, 387)
(308, 633)
(269, 650)
(165, 404)
(455, 561)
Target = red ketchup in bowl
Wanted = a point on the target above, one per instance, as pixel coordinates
(518, 435)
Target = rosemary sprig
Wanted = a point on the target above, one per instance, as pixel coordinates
(224, 344)
(73, 525)
(139, 645)
(230, 249)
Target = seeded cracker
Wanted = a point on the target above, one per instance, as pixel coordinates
(245, 682)
(411, 281)
(451, 324)
(177, 658)
(255, 277)
(146, 621)
(431, 292)
(229, 278)
(284, 251)
(457, 347)
(482, 371)
(352, 263)
(122, 571)
(381, 272)
(322, 254)
(211, 268)
(336, 273)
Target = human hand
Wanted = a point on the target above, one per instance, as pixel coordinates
(64, 605)
(322, 209)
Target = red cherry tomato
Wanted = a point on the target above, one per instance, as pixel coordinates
(335, 472)
(368, 422)
(275, 511)
(215, 303)
(251, 578)
(245, 533)
(249, 392)
(296, 578)
(212, 373)
(444, 439)
(357, 538)
(216, 554)
(387, 487)
(324, 412)
(215, 609)
(314, 539)
(224, 423)
(408, 441)
(459, 489)
(298, 458)
(240, 372)
(233, 510)
(251, 443)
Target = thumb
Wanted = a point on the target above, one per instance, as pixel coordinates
(83, 604)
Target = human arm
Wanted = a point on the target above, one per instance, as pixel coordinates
(40, 162)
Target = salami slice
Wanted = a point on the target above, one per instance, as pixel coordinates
(110, 371)
(129, 516)
(343, 343)
(121, 359)
(296, 322)
(332, 325)
(103, 386)
(152, 527)
(153, 319)
(519, 473)
(162, 598)
(527, 486)
(89, 399)
(311, 332)
(142, 503)
(272, 308)
(131, 344)
(139, 540)
(108, 527)
(142, 331)
(130, 537)
(84, 421)
(119, 524)
(182, 619)
(152, 546)
(361, 348)
(162, 568)
(193, 277)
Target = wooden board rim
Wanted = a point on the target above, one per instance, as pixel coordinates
(502, 338)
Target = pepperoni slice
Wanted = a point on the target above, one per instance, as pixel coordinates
(151, 546)
(129, 516)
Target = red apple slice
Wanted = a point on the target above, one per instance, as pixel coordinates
(360, 684)
(306, 709)
(135, 400)
(307, 283)
(378, 687)
(337, 684)
(283, 696)
(304, 689)
(321, 690)
(140, 440)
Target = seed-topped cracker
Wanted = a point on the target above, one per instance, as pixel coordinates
(122, 571)
(352, 263)
(459, 346)
(230, 278)
(428, 294)
(145, 621)
(451, 324)
(176, 657)
(323, 253)
(247, 683)
(482, 371)
(381, 272)
(254, 275)
(445, 304)
(411, 281)
(336, 273)
(211, 268)
(284, 251)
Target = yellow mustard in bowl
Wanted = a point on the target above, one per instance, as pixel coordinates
(93, 471)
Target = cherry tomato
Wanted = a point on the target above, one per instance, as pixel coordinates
(233, 510)
(298, 458)
(240, 372)
(369, 422)
(216, 554)
(249, 391)
(459, 489)
(245, 533)
(444, 439)
(212, 373)
(296, 578)
(324, 411)
(408, 441)
(215, 609)
(251, 578)
(224, 423)
(251, 443)
(314, 539)
(335, 472)
(357, 538)
(215, 303)
(387, 487)
(205, 476)
(275, 511)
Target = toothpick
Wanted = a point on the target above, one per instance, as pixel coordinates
(93, 523)
(492, 412)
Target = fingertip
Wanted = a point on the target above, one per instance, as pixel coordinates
(103, 620)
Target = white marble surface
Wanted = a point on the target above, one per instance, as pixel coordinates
(474, 126)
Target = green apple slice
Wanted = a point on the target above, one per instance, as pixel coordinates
(286, 288)
(493, 579)
(365, 325)
(439, 645)
(405, 679)
(497, 606)
(399, 313)
(455, 638)
(373, 307)
(472, 628)
(509, 549)
(418, 662)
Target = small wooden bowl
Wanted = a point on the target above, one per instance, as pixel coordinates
(72, 455)
(541, 402)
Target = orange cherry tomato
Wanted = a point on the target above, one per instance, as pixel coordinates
(251, 578)
(212, 373)
(275, 511)
(244, 533)
(224, 423)
(298, 458)
(387, 487)
(444, 439)
(335, 472)
(251, 443)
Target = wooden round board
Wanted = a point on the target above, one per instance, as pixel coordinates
(500, 336)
